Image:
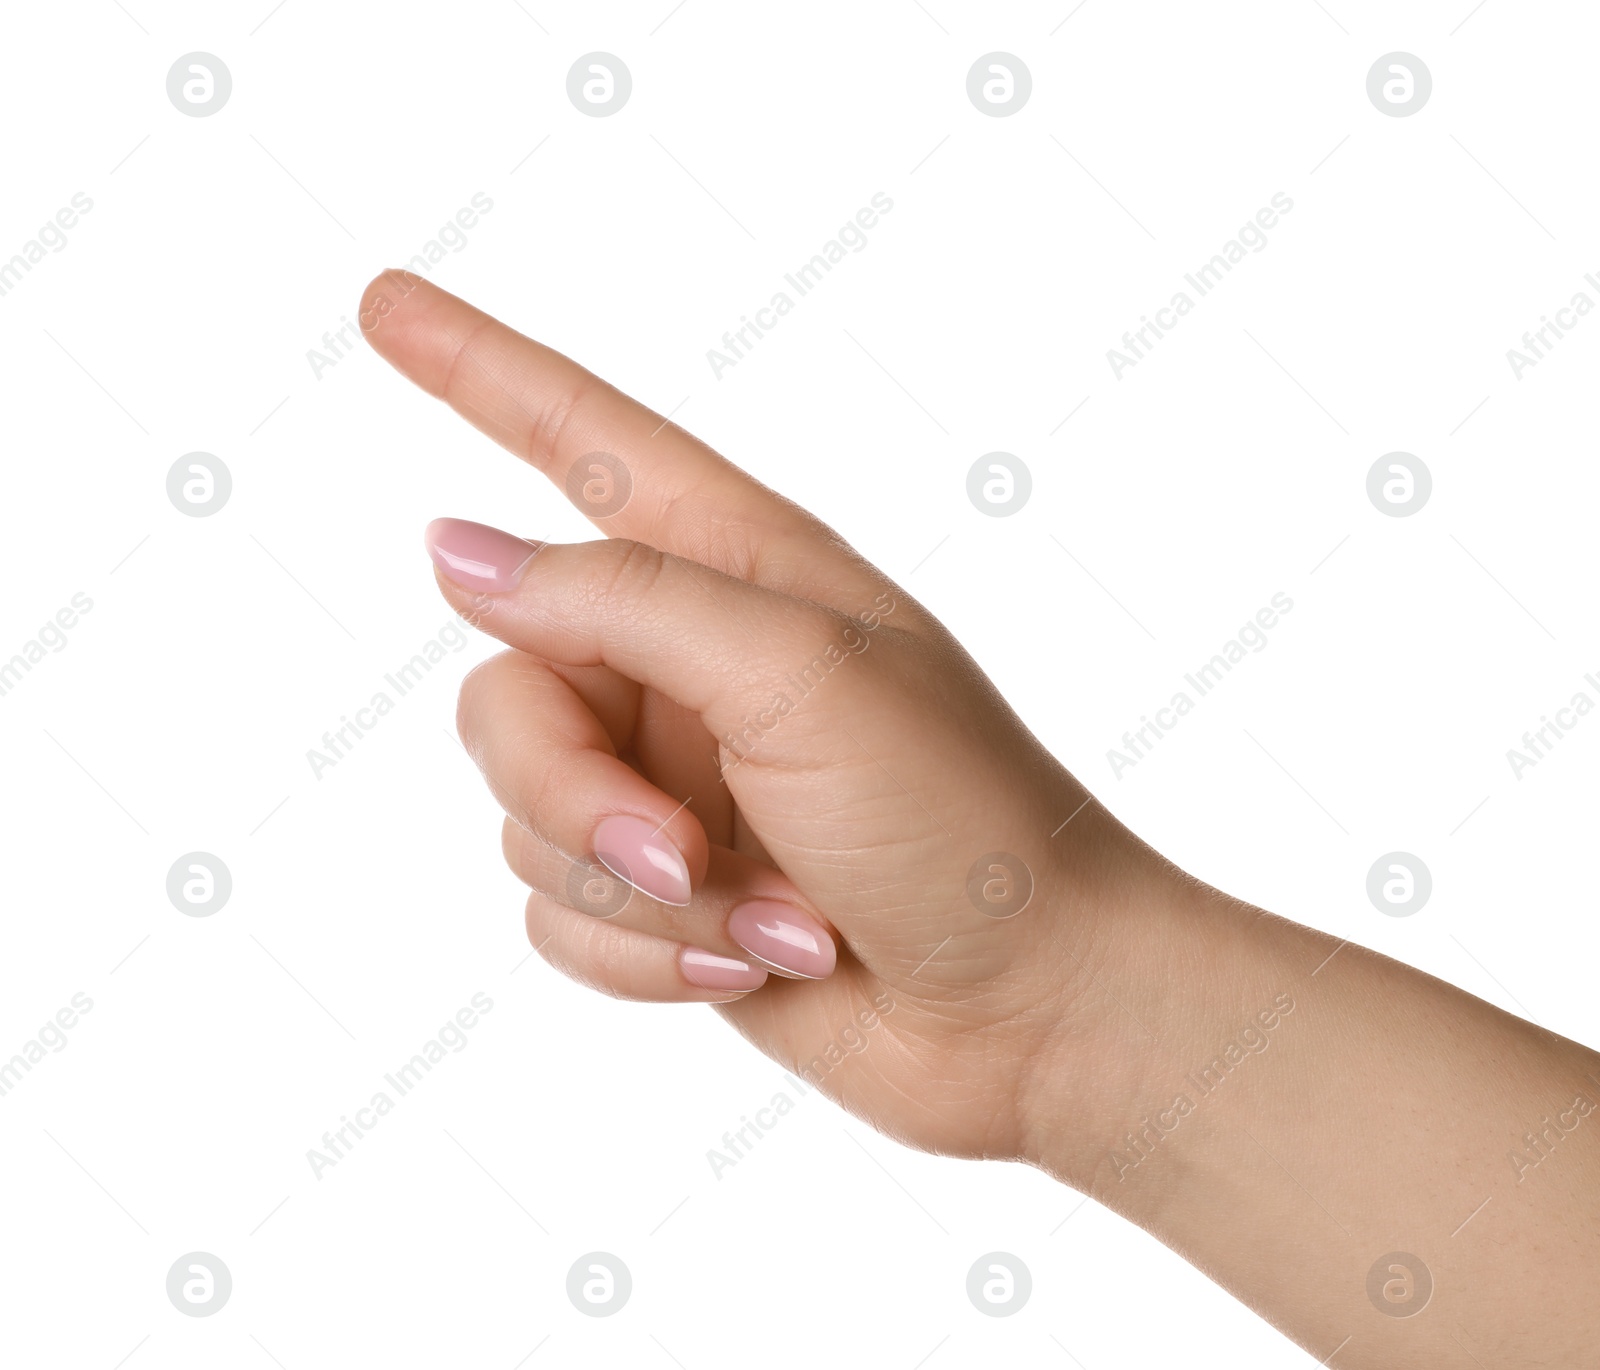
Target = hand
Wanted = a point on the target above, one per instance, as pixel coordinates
(839, 834)
(800, 771)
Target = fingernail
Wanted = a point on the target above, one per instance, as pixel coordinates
(476, 556)
(634, 850)
(710, 971)
(791, 942)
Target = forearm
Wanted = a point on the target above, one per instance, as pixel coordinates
(1293, 1109)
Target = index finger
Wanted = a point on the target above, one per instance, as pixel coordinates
(633, 473)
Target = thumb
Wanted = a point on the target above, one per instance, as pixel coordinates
(715, 644)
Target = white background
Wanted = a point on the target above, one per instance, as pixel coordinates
(370, 904)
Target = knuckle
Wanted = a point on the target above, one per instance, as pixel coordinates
(603, 961)
(464, 358)
(539, 793)
(554, 423)
(633, 570)
(834, 639)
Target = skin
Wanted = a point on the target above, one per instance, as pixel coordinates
(1382, 1111)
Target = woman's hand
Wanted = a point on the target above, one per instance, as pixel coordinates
(805, 776)
(798, 769)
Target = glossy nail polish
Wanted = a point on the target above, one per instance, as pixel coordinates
(476, 556)
(633, 849)
(790, 941)
(707, 970)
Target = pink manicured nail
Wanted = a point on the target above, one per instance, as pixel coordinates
(710, 971)
(634, 849)
(476, 556)
(791, 942)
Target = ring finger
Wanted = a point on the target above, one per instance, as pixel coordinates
(744, 911)
(628, 964)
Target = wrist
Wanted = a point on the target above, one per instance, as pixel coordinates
(1149, 976)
